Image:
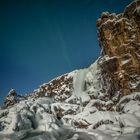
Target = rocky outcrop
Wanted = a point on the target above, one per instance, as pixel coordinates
(119, 38)
(104, 97)
(13, 98)
(59, 88)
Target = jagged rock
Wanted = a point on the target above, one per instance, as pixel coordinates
(119, 38)
(59, 88)
(13, 98)
(92, 98)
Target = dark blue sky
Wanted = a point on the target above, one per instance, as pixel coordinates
(42, 39)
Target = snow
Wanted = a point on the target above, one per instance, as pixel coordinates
(81, 117)
(48, 127)
(85, 98)
(131, 96)
(126, 61)
(130, 120)
(138, 10)
(132, 106)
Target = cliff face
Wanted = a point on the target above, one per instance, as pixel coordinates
(119, 38)
(89, 98)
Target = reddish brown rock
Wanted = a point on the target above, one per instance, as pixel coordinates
(59, 88)
(119, 38)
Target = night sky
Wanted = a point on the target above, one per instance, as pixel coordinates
(40, 40)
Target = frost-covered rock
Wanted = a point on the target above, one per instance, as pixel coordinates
(101, 102)
(119, 38)
(13, 98)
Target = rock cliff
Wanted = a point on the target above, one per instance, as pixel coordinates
(119, 38)
(98, 102)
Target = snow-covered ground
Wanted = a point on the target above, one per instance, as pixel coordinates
(85, 115)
